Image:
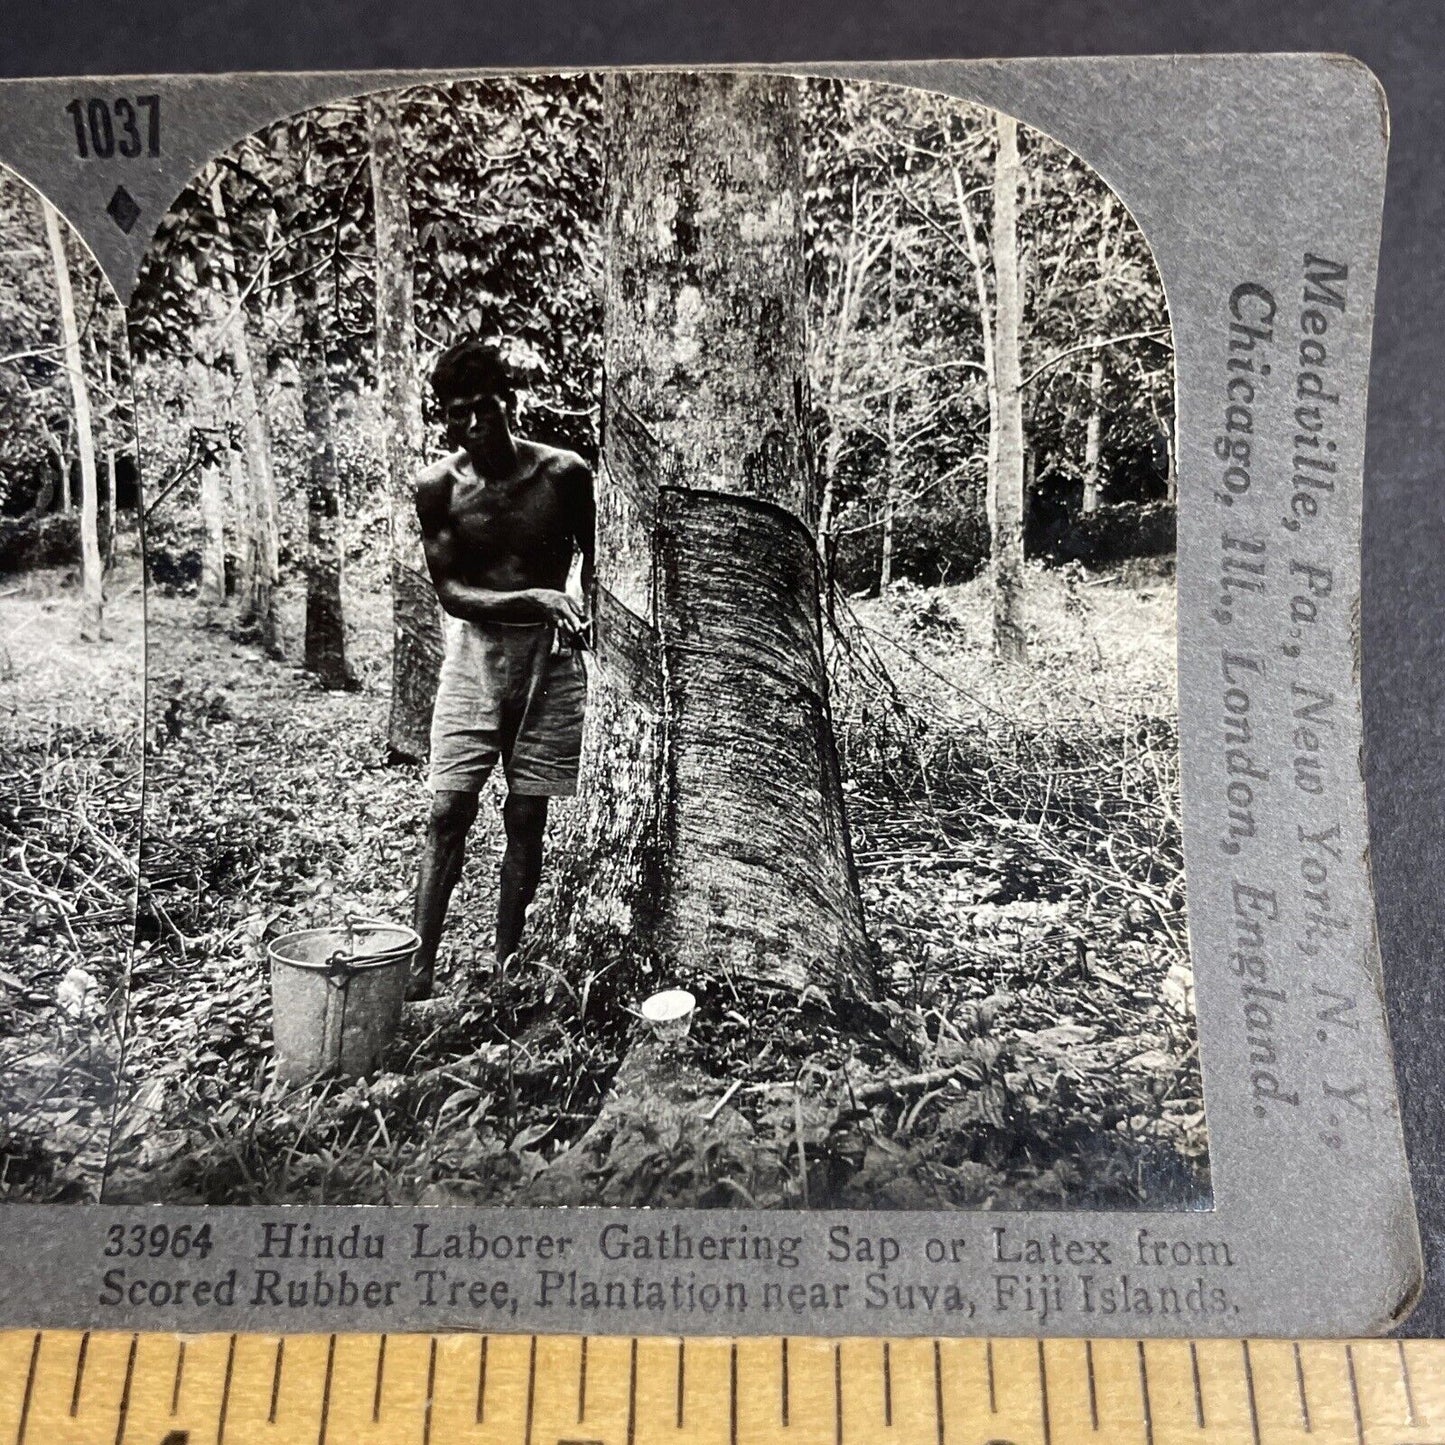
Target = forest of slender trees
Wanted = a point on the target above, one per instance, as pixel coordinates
(92, 599)
(64, 401)
(984, 344)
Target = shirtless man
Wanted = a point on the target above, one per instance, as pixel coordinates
(500, 519)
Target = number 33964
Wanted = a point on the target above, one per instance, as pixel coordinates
(121, 127)
(156, 1242)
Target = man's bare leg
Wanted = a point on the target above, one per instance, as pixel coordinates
(451, 818)
(526, 821)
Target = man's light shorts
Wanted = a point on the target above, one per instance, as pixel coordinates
(504, 693)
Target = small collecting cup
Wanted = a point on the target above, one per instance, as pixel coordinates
(669, 1014)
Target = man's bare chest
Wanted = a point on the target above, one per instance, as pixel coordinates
(490, 517)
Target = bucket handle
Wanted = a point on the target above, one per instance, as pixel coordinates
(339, 968)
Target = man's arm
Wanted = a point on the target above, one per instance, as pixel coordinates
(584, 530)
(462, 599)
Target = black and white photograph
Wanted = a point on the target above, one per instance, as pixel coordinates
(71, 684)
(660, 662)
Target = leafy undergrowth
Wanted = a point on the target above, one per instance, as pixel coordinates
(1017, 840)
(1017, 837)
(70, 794)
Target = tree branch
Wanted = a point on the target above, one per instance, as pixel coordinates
(1096, 345)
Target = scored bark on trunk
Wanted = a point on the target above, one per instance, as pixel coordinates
(736, 857)
(92, 598)
(760, 879)
(416, 648)
(1006, 474)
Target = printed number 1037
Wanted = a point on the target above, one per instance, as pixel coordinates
(123, 127)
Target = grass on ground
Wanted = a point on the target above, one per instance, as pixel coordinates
(70, 796)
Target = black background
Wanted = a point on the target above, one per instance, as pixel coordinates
(1401, 40)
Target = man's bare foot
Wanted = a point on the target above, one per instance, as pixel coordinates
(419, 985)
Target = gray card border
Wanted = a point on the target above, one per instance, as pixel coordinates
(1236, 168)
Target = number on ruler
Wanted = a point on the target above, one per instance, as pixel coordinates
(106, 128)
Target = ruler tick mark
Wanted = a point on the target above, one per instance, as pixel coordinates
(838, 1394)
(431, 1384)
(1249, 1390)
(1405, 1381)
(1144, 1394)
(887, 1384)
(29, 1390)
(681, 1378)
(125, 1391)
(992, 1396)
(1299, 1384)
(482, 1384)
(1093, 1388)
(531, 1387)
(380, 1375)
(275, 1381)
(79, 1373)
(326, 1390)
(632, 1392)
(732, 1395)
(938, 1388)
(1044, 1397)
(1198, 1387)
(1355, 1395)
(582, 1382)
(226, 1390)
(176, 1383)
(785, 1380)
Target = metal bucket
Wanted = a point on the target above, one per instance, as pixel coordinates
(336, 997)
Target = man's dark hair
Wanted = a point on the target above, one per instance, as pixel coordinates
(471, 368)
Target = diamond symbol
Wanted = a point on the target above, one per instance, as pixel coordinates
(123, 210)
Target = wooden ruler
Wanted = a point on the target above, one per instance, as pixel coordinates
(59, 1388)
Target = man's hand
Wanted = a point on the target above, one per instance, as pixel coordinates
(560, 610)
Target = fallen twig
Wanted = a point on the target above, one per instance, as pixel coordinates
(717, 1108)
(877, 1089)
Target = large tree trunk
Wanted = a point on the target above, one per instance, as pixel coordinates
(1006, 442)
(1093, 432)
(416, 648)
(243, 500)
(110, 487)
(890, 486)
(1093, 428)
(260, 550)
(856, 266)
(325, 651)
(92, 589)
(715, 841)
(213, 503)
(110, 490)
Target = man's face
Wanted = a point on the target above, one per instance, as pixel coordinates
(474, 423)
